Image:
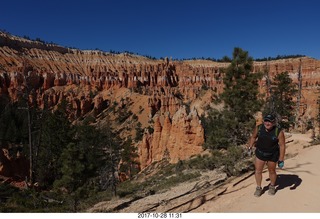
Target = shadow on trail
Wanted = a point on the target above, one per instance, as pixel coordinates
(296, 168)
(284, 181)
(288, 180)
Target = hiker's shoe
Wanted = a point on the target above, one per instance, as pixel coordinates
(258, 191)
(272, 190)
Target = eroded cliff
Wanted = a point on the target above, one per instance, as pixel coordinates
(157, 89)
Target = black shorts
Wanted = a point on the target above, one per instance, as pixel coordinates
(268, 156)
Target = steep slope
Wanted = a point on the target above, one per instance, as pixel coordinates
(297, 189)
(155, 91)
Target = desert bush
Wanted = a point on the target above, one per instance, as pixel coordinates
(229, 161)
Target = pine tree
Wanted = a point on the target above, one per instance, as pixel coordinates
(13, 124)
(233, 125)
(109, 170)
(240, 93)
(139, 132)
(281, 102)
(74, 173)
(81, 161)
(129, 157)
(56, 133)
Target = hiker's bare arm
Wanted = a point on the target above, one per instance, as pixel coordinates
(282, 144)
(253, 138)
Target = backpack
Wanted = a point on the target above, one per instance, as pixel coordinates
(276, 131)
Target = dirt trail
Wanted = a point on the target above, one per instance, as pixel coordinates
(297, 188)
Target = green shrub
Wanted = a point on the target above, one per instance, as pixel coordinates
(230, 161)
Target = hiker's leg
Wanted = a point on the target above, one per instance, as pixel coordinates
(259, 164)
(272, 172)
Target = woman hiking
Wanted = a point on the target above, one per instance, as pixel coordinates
(270, 149)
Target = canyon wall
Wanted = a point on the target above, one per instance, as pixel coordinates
(48, 74)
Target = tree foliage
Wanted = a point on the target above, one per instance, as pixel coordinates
(13, 123)
(139, 132)
(232, 125)
(240, 94)
(281, 101)
(129, 157)
(56, 133)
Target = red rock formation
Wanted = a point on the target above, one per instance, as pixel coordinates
(179, 139)
(58, 73)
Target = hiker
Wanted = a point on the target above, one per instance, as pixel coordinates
(269, 141)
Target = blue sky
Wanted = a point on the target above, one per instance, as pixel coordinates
(171, 28)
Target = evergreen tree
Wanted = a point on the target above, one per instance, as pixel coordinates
(18, 127)
(91, 143)
(82, 161)
(281, 101)
(56, 133)
(139, 132)
(14, 124)
(216, 130)
(233, 125)
(72, 171)
(129, 156)
(108, 173)
(240, 93)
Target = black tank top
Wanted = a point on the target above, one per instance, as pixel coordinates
(267, 140)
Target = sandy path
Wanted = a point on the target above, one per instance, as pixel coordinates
(298, 187)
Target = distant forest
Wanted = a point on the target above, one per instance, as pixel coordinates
(223, 59)
(279, 57)
(227, 59)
